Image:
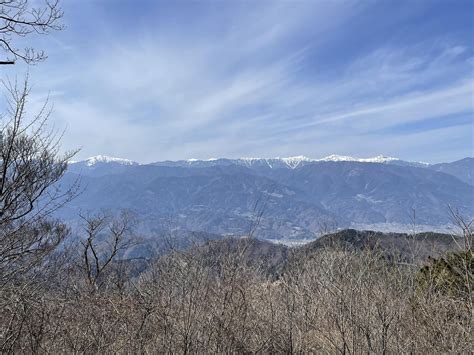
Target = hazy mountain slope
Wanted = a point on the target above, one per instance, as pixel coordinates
(212, 200)
(371, 193)
(296, 197)
(463, 169)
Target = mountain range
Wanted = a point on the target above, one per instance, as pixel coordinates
(284, 199)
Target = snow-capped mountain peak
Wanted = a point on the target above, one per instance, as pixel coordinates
(290, 162)
(377, 159)
(106, 159)
(293, 162)
(335, 157)
(297, 161)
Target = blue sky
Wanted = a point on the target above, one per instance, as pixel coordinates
(151, 80)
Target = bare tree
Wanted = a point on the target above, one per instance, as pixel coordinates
(465, 228)
(326, 225)
(22, 18)
(98, 253)
(30, 167)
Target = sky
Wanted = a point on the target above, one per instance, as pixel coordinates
(159, 80)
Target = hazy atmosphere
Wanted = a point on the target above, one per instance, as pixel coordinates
(158, 80)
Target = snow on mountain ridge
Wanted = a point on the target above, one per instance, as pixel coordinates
(377, 159)
(106, 159)
(296, 161)
(290, 162)
(193, 160)
(293, 162)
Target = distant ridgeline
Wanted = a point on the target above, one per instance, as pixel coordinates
(274, 258)
(293, 198)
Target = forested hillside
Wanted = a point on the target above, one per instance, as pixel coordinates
(346, 292)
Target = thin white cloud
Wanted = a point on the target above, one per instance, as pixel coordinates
(255, 88)
(410, 108)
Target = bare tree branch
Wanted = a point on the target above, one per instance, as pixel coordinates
(22, 18)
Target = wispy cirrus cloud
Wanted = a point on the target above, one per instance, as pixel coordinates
(268, 79)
